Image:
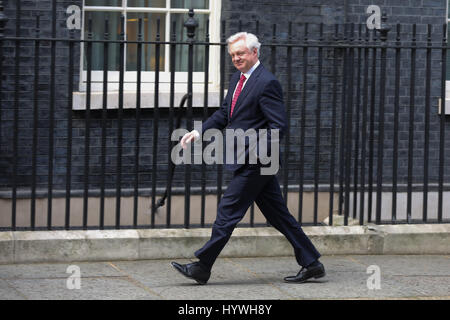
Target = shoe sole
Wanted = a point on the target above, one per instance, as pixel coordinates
(198, 281)
(321, 275)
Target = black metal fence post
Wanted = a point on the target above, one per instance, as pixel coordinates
(35, 124)
(303, 123)
(173, 48)
(318, 127)
(87, 124)
(138, 123)
(347, 132)
(16, 119)
(191, 24)
(155, 121)
(384, 29)
(223, 48)
(396, 124)
(288, 114)
(364, 129)
(412, 93)
(442, 123)
(357, 120)
(120, 122)
(205, 116)
(70, 88)
(372, 127)
(103, 123)
(3, 21)
(427, 125)
(51, 133)
(333, 127)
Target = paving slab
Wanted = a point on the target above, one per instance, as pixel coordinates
(348, 277)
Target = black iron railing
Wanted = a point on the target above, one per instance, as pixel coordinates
(345, 90)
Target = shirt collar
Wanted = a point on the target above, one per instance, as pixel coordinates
(249, 72)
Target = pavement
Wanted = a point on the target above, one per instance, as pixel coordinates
(256, 278)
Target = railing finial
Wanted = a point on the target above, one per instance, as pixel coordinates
(384, 27)
(191, 24)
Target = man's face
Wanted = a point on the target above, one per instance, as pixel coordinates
(243, 59)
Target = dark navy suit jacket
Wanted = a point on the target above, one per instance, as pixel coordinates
(259, 106)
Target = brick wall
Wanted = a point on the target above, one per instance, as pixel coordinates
(267, 13)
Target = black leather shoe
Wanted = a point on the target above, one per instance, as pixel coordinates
(193, 271)
(307, 273)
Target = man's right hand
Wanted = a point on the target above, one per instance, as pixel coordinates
(188, 138)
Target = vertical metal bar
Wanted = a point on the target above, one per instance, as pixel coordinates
(69, 127)
(412, 93)
(273, 55)
(120, 121)
(87, 124)
(442, 124)
(427, 124)
(138, 124)
(252, 207)
(288, 115)
(333, 127)
(357, 113)
(51, 118)
(383, 37)
(273, 49)
(205, 116)
(364, 129)
(223, 48)
(104, 118)
(349, 140)
(303, 124)
(3, 21)
(35, 123)
(372, 128)
(190, 24)
(273, 62)
(343, 124)
(155, 122)
(16, 116)
(171, 117)
(396, 125)
(318, 128)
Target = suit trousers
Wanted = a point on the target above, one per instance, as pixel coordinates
(248, 186)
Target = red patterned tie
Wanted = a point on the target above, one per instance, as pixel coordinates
(237, 93)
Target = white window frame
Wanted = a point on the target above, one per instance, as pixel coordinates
(148, 77)
(447, 82)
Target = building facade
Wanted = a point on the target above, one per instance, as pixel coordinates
(37, 102)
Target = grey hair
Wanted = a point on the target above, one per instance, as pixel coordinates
(250, 40)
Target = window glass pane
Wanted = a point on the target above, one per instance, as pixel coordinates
(98, 33)
(194, 4)
(181, 54)
(147, 3)
(149, 28)
(114, 3)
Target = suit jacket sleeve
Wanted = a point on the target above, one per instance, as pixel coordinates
(271, 103)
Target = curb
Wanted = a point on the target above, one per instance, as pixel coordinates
(102, 245)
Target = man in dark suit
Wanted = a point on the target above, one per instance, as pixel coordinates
(254, 101)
